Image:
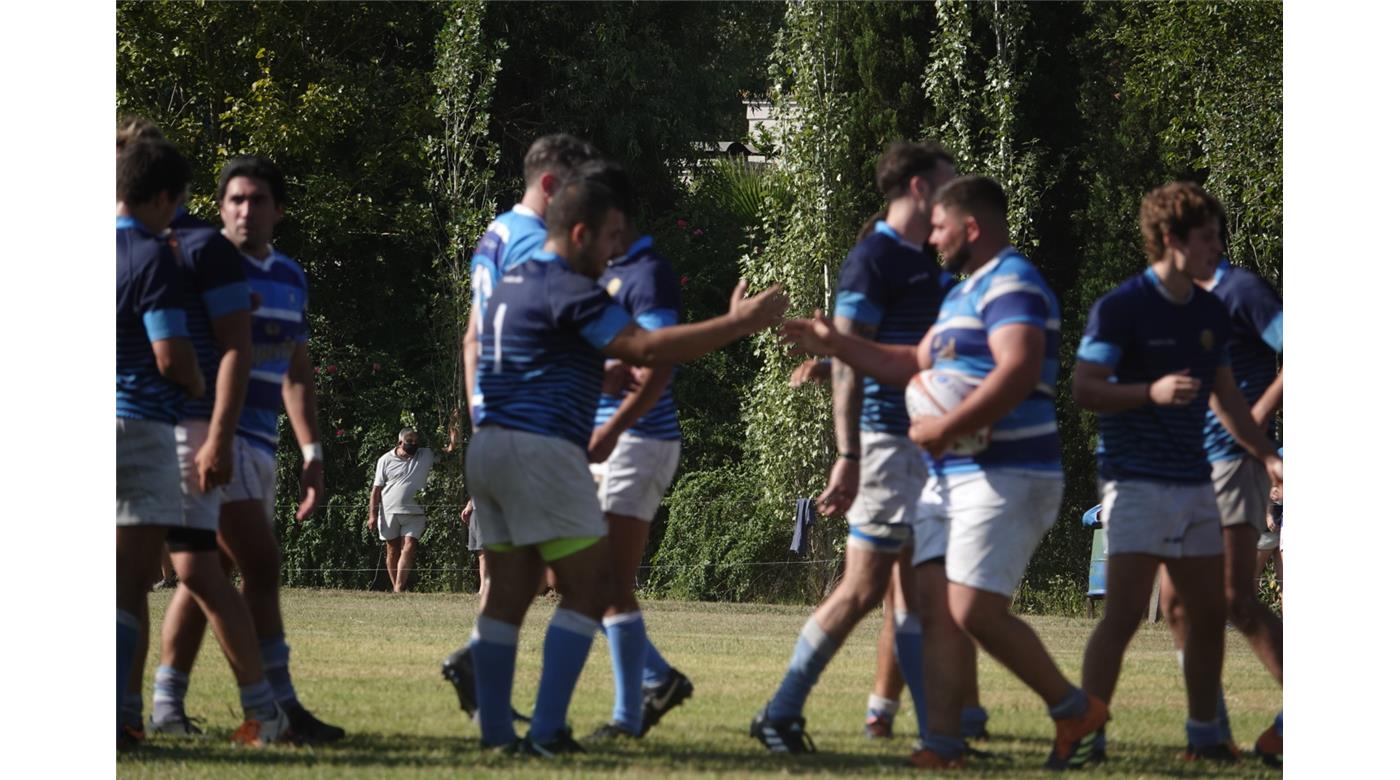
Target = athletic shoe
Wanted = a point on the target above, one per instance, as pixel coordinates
(1269, 747)
(562, 744)
(879, 726)
(261, 733)
(980, 733)
(181, 725)
(611, 731)
(311, 729)
(782, 736)
(1223, 753)
(459, 671)
(1074, 737)
(663, 698)
(925, 758)
(1098, 753)
(129, 737)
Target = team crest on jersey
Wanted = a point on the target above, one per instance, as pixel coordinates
(1207, 339)
(614, 286)
(946, 350)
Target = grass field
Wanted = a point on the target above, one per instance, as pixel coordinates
(369, 662)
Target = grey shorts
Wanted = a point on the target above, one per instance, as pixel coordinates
(148, 474)
(396, 525)
(1242, 491)
(1163, 519)
(529, 488)
(892, 475)
(634, 479)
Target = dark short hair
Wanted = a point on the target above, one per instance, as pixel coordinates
(558, 154)
(135, 128)
(254, 167)
(148, 167)
(903, 161)
(610, 174)
(579, 201)
(1174, 208)
(979, 196)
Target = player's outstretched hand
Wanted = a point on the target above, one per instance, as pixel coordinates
(816, 336)
(313, 489)
(1176, 389)
(812, 370)
(760, 311)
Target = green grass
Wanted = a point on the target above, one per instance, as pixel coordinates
(369, 662)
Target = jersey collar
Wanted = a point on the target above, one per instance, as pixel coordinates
(1005, 252)
(882, 227)
(526, 211)
(546, 257)
(633, 252)
(1220, 271)
(1162, 288)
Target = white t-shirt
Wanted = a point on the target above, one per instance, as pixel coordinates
(401, 479)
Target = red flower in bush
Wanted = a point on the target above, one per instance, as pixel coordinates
(682, 224)
(374, 367)
(697, 232)
(340, 433)
(684, 280)
(331, 369)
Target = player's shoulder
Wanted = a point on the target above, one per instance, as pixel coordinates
(1238, 282)
(289, 265)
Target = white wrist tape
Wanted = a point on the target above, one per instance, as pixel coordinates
(310, 452)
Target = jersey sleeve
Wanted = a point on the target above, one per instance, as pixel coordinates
(1263, 309)
(220, 279)
(578, 304)
(655, 301)
(1106, 333)
(161, 300)
(860, 292)
(379, 479)
(520, 247)
(1012, 299)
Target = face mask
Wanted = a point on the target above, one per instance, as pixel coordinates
(410, 448)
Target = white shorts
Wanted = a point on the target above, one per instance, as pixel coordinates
(634, 479)
(254, 476)
(986, 524)
(1164, 519)
(1242, 492)
(1268, 541)
(397, 525)
(892, 474)
(148, 474)
(529, 488)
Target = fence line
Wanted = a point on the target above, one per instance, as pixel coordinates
(649, 567)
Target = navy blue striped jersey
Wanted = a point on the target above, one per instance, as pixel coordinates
(509, 240)
(643, 282)
(215, 269)
(541, 367)
(1143, 335)
(1008, 290)
(279, 325)
(1256, 339)
(152, 294)
(891, 284)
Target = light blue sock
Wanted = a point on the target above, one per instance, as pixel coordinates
(168, 697)
(275, 658)
(566, 646)
(493, 645)
(1202, 734)
(128, 632)
(258, 700)
(909, 653)
(810, 656)
(974, 721)
(945, 746)
(655, 670)
(1074, 704)
(627, 641)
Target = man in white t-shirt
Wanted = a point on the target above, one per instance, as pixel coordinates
(393, 506)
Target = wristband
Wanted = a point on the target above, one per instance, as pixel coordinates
(855, 456)
(310, 452)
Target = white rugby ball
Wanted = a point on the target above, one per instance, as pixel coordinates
(934, 393)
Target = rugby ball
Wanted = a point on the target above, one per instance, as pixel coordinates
(933, 393)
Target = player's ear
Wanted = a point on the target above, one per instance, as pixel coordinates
(578, 234)
(974, 229)
(549, 183)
